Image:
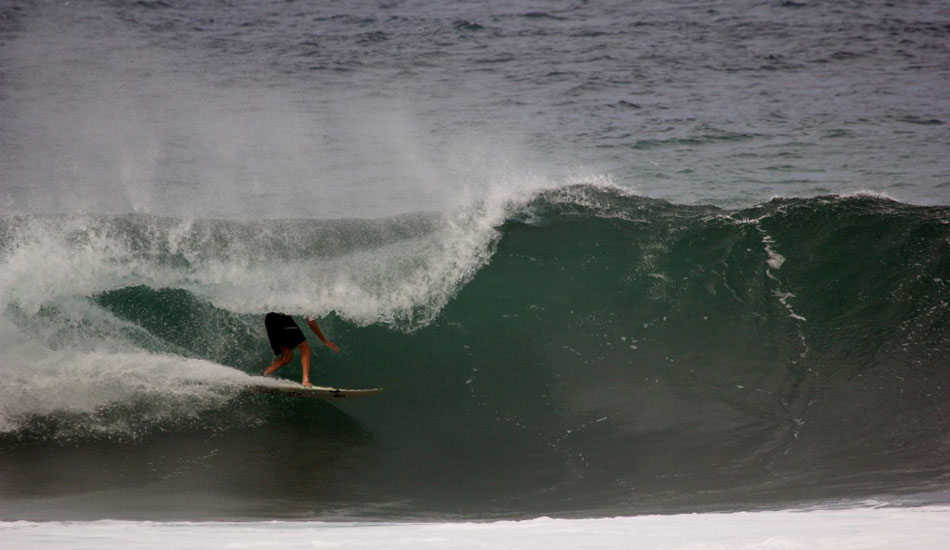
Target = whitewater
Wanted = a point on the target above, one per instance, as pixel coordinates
(921, 528)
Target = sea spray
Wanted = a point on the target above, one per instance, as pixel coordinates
(59, 270)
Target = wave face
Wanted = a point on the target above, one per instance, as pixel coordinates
(581, 351)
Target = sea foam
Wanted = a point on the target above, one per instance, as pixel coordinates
(920, 528)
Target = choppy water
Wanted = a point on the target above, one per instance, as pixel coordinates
(550, 231)
(372, 108)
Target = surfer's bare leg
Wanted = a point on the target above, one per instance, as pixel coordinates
(304, 348)
(285, 356)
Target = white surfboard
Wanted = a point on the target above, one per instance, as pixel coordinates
(314, 392)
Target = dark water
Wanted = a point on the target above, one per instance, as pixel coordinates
(605, 257)
(615, 355)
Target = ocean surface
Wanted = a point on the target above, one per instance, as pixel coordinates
(608, 259)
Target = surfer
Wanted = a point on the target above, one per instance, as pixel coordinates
(285, 336)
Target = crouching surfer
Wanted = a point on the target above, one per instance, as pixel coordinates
(285, 336)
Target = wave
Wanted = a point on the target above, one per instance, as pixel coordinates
(626, 344)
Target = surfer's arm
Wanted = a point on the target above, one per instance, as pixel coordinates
(316, 330)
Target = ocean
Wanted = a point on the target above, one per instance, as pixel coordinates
(669, 270)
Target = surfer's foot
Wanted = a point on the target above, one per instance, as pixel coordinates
(265, 373)
(306, 383)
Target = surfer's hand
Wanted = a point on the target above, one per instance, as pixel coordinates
(332, 346)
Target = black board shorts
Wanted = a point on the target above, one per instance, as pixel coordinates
(282, 332)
